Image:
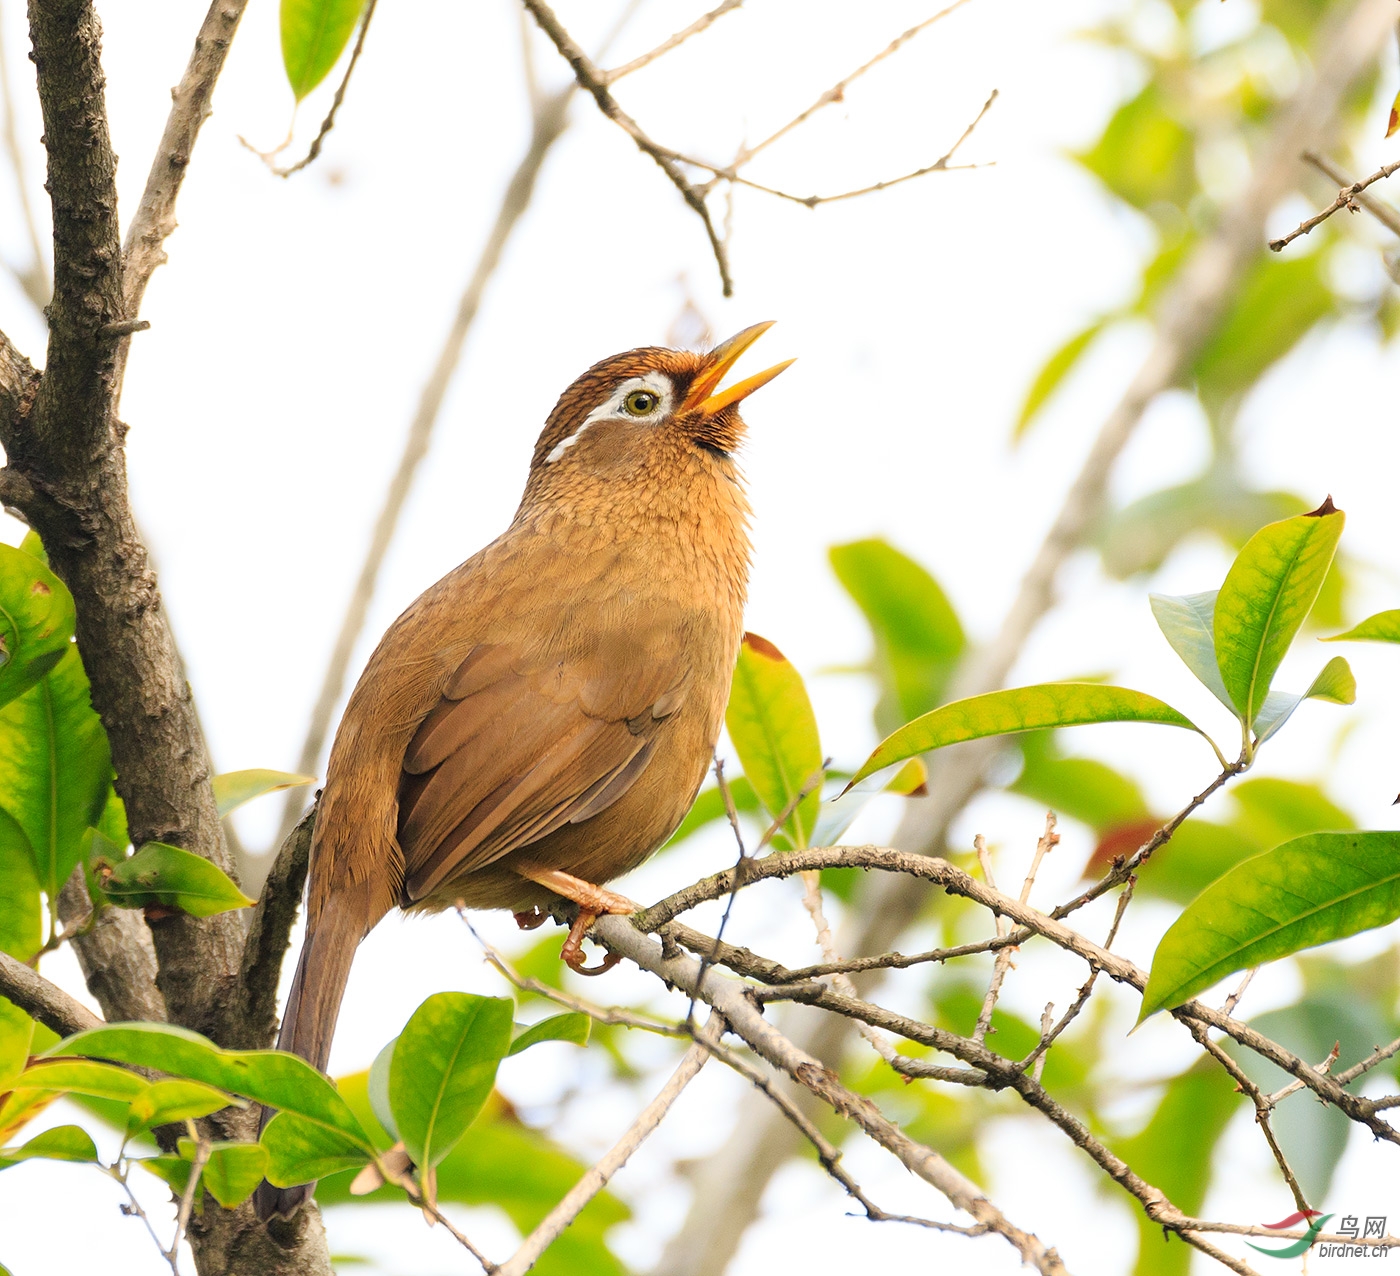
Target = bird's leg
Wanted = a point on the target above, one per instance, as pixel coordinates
(592, 901)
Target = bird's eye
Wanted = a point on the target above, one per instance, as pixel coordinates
(640, 402)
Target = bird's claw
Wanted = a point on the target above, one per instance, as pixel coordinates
(572, 952)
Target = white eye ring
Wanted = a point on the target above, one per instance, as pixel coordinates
(657, 387)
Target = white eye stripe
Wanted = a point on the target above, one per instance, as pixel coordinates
(613, 409)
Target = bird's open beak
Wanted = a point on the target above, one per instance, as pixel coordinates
(704, 397)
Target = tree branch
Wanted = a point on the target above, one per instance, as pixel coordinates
(729, 999)
(595, 82)
(600, 1174)
(1346, 198)
(46, 1002)
(1193, 310)
(269, 934)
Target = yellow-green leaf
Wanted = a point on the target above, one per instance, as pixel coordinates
(1309, 891)
(1384, 626)
(36, 621)
(314, 35)
(1267, 595)
(774, 732)
(175, 878)
(1053, 371)
(1054, 704)
(234, 788)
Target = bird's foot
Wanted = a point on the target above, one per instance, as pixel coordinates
(531, 918)
(572, 952)
(593, 901)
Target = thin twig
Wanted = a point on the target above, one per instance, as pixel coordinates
(182, 1219)
(1346, 198)
(591, 79)
(329, 122)
(1233, 999)
(1378, 208)
(598, 1177)
(680, 37)
(612, 1015)
(827, 1153)
(728, 998)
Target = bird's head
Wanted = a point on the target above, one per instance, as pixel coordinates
(643, 406)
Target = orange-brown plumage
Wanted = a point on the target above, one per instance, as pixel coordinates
(552, 703)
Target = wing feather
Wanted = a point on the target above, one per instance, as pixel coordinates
(516, 749)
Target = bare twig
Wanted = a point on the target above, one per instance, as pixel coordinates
(837, 92)
(189, 108)
(594, 81)
(1233, 999)
(1388, 217)
(1346, 198)
(680, 37)
(597, 1178)
(601, 1014)
(182, 1219)
(727, 997)
(329, 122)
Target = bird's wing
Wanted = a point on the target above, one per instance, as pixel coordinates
(516, 748)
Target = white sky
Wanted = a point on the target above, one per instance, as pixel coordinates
(296, 321)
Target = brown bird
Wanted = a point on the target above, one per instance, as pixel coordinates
(539, 721)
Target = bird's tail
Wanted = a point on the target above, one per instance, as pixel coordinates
(308, 1023)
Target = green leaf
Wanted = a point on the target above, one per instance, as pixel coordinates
(1188, 623)
(443, 1067)
(1174, 1151)
(175, 1099)
(1335, 684)
(572, 1026)
(1082, 789)
(21, 909)
(83, 1076)
(1145, 156)
(774, 732)
(173, 1171)
(270, 1077)
(1384, 626)
(167, 875)
(918, 637)
(1267, 595)
(379, 1089)
(1053, 704)
(1053, 371)
(36, 621)
(1139, 537)
(300, 1151)
(233, 1170)
(16, 1033)
(62, 1143)
(1273, 307)
(314, 35)
(1310, 891)
(502, 1162)
(709, 807)
(234, 788)
(55, 768)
